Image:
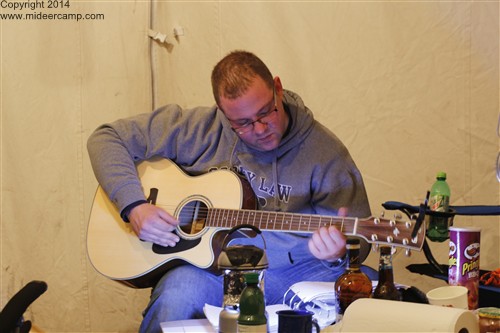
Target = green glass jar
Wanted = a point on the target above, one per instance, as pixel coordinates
(252, 317)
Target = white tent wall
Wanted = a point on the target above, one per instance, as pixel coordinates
(60, 79)
(411, 88)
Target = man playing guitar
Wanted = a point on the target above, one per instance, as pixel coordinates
(265, 134)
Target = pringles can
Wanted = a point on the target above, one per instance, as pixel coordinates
(463, 263)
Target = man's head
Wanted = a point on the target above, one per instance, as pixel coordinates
(244, 89)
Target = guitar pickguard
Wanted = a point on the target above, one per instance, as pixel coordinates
(182, 245)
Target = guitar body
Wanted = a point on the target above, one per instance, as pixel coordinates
(116, 252)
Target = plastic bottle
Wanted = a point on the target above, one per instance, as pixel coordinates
(234, 283)
(386, 289)
(353, 283)
(439, 201)
(252, 317)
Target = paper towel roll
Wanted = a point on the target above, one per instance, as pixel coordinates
(375, 315)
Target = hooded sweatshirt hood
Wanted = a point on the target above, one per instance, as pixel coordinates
(301, 124)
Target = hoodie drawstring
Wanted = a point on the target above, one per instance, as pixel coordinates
(277, 202)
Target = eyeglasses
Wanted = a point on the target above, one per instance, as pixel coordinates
(264, 119)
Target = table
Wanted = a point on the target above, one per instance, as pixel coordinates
(204, 326)
(192, 325)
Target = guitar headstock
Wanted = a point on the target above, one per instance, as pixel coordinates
(393, 232)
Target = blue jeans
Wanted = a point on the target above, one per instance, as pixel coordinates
(183, 291)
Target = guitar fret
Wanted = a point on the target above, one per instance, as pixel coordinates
(315, 221)
(254, 215)
(303, 223)
(287, 221)
(283, 222)
(296, 222)
(227, 220)
(223, 218)
(243, 218)
(218, 219)
(321, 222)
(234, 221)
(249, 218)
(211, 217)
(255, 221)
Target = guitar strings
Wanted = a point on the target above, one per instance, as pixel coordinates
(226, 217)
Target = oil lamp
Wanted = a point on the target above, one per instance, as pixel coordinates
(235, 261)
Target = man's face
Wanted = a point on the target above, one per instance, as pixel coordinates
(258, 117)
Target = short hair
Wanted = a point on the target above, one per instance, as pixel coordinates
(234, 73)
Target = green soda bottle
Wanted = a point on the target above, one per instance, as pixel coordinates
(439, 201)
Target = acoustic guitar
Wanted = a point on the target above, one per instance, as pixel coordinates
(207, 205)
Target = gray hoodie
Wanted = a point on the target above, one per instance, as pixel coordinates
(310, 172)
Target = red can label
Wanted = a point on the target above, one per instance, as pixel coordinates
(463, 269)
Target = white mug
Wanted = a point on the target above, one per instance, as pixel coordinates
(450, 296)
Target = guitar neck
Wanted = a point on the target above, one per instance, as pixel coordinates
(278, 221)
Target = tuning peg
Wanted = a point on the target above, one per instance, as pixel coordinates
(408, 252)
(382, 213)
(398, 216)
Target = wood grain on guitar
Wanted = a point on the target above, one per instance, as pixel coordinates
(206, 206)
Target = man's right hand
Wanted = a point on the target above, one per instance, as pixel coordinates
(153, 224)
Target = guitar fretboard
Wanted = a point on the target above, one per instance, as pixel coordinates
(264, 220)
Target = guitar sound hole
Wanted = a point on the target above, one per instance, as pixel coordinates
(192, 217)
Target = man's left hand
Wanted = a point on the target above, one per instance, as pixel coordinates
(328, 243)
